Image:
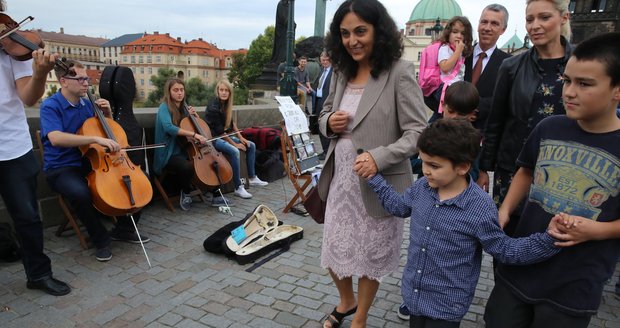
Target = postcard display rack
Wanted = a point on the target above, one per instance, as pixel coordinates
(298, 150)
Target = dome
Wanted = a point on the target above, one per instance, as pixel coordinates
(427, 10)
(514, 42)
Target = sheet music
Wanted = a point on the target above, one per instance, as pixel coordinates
(294, 118)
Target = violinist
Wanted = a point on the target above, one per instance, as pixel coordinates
(219, 117)
(23, 82)
(62, 115)
(174, 158)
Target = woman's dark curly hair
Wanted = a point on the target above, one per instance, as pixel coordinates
(387, 45)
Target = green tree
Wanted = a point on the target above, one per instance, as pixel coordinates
(196, 92)
(247, 68)
(159, 80)
(52, 91)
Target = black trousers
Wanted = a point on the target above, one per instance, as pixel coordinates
(505, 310)
(18, 187)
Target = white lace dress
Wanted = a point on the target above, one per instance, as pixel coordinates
(355, 243)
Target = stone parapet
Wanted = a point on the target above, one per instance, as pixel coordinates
(264, 114)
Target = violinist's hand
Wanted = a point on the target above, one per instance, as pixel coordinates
(365, 166)
(338, 121)
(43, 62)
(110, 144)
(105, 106)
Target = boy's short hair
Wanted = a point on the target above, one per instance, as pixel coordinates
(604, 48)
(462, 97)
(456, 140)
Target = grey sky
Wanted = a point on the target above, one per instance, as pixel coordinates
(231, 24)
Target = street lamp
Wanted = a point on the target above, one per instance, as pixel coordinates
(288, 85)
(436, 30)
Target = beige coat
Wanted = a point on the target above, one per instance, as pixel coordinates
(390, 117)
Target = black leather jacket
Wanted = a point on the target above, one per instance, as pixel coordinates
(510, 120)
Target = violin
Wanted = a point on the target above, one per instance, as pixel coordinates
(210, 166)
(19, 44)
(118, 187)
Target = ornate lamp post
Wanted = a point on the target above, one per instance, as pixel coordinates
(288, 86)
(436, 30)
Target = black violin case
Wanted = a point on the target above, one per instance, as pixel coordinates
(263, 233)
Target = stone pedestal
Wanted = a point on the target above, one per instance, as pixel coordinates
(268, 80)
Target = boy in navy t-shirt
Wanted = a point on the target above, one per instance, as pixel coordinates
(570, 170)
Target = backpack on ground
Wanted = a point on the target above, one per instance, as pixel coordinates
(429, 75)
(264, 138)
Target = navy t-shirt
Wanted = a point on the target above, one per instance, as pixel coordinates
(578, 173)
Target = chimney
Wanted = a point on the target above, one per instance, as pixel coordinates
(62, 30)
(156, 32)
(179, 39)
(200, 39)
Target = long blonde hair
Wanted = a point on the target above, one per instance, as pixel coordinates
(227, 106)
(175, 112)
(562, 7)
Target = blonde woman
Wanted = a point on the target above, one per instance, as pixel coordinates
(218, 116)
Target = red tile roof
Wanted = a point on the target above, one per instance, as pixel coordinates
(69, 38)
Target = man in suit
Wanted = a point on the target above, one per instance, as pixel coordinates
(492, 24)
(322, 91)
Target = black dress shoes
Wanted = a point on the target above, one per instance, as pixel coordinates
(50, 285)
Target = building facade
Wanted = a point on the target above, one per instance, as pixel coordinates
(196, 58)
(592, 17)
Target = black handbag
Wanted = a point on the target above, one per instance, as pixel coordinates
(315, 206)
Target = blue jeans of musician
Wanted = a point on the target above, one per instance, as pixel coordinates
(18, 188)
(71, 183)
(233, 153)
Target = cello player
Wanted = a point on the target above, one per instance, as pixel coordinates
(62, 115)
(23, 82)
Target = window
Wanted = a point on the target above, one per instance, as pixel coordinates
(412, 31)
(571, 6)
(189, 72)
(124, 59)
(149, 59)
(427, 32)
(141, 81)
(133, 59)
(142, 94)
(158, 59)
(150, 83)
(140, 60)
(150, 70)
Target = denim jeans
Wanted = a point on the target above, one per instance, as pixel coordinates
(18, 188)
(71, 183)
(233, 153)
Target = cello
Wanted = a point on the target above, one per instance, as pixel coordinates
(210, 166)
(118, 187)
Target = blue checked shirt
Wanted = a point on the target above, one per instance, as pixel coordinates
(446, 243)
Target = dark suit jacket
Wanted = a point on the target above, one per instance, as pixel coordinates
(326, 84)
(486, 83)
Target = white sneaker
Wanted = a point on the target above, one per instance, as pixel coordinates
(255, 181)
(240, 192)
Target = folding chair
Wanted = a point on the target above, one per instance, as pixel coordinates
(300, 180)
(69, 218)
(168, 199)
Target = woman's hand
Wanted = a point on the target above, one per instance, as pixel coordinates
(192, 110)
(338, 121)
(365, 165)
(483, 180)
(240, 145)
(199, 139)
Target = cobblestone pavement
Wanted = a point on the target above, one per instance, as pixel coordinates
(188, 287)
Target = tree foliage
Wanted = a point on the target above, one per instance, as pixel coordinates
(197, 92)
(159, 80)
(247, 68)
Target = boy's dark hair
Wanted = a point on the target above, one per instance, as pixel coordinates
(387, 47)
(456, 140)
(462, 97)
(604, 48)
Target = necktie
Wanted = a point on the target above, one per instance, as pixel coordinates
(475, 75)
(322, 78)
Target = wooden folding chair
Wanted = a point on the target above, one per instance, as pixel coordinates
(69, 218)
(168, 199)
(300, 180)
